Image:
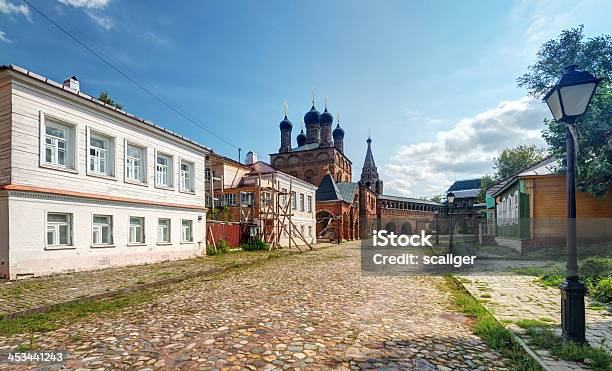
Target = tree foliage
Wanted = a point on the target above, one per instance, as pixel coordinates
(594, 160)
(485, 183)
(104, 97)
(512, 160)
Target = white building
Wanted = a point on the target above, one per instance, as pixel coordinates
(84, 185)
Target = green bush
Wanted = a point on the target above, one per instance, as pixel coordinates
(596, 267)
(553, 276)
(223, 247)
(603, 290)
(256, 245)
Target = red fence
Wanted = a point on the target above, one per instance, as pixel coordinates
(234, 233)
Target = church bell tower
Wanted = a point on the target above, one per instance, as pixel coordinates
(369, 173)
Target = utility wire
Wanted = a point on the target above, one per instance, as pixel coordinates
(133, 81)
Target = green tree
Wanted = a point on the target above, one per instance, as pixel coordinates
(594, 161)
(485, 183)
(104, 97)
(436, 198)
(512, 160)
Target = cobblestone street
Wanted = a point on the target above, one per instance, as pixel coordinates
(313, 310)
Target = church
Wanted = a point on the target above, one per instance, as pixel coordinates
(350, 210)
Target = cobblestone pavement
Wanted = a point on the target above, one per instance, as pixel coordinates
(311, 311)
(16, 296)
(513, 297)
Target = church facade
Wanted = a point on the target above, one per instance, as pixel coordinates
(346, 209)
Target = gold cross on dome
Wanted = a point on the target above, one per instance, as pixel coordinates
(313, 96)
(326, 168)
(285, 107)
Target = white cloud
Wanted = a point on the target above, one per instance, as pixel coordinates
(3, 37)
(89, 4)
(100, 19)
(466, 150)
(10, 8)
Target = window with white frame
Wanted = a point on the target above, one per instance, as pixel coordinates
(302, 229)
(293, 201)
(59, 229)
(102, 230)
(58, 146)
(187, 230)
(163, 230)
(187, 176)
(229, 200)
(310, 231)
(266, 198)
(247, 198)
(208, 173)
(301, 201)
(309, 204)
(137, 233)
(284, 196)
(100, 154)
(135, 163)
(163, 170)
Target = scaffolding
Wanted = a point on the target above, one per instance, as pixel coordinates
(275, 215)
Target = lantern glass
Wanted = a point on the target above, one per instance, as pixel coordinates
(576, 98)
(450, 198)
(554, 104)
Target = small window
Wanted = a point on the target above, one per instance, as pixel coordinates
(309, 179)
(301, 202)
(284, 197)
(266, 198)
(208, 174)
(310, 231)
(100, 154)
(247, 198)
(309, 204)
(228, 200)
(102, 230)
(163, 230)
(293, 201)
(163, 170)
(135, 163)
(187, 230)
(56, 144)
(187, 176)
(137, 234)
(59, 229)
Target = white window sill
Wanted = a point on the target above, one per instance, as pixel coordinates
(187, 192)
(161, 186)
(59, 168)
(137, 244)
(60, 247)
(136, 182)
(186, 242)
(102, 246)
(164, 243)
(100, 175)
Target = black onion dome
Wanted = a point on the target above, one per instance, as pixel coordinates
(326, 117)
(286, 124)
(312, 117)
(301, 138)
(338, 132)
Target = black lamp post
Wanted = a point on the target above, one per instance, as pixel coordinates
(450, 198)
(437, 226)
(568, 100)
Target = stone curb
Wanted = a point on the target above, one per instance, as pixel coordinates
(135, 288)
(520, 341)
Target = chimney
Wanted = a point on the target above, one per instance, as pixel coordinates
(251, 158)
(72, 83)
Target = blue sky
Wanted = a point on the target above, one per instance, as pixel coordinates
(434, 82)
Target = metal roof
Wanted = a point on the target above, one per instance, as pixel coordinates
(328, 190)
(348, 190)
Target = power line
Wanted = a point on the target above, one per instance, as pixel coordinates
(133, 81)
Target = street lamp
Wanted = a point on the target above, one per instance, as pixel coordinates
(567, 101)
(450, 198)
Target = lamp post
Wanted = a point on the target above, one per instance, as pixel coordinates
(437, 226)
(567, 101)
(450, 198)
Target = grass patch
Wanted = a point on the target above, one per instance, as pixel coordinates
(68, 313)
(541, 336)
(494, 334)
(485, 295)
(597, 307)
